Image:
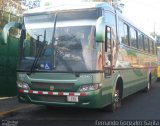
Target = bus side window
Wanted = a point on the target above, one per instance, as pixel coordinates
(146, 44)
(141, 41)
(108, 46)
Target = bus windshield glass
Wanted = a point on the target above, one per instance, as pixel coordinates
(60, 42)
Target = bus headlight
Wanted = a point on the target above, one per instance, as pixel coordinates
(89, 87)
(22, 85)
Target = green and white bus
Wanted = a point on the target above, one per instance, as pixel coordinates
(158, 68)
(84, 55)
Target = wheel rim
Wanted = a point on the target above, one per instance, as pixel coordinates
(149, 85)
(117, 101)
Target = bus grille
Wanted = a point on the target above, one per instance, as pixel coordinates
(46, 86)
(46, 98)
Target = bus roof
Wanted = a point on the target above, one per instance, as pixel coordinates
(70, 6)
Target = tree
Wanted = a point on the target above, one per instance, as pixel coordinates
(158, 38)
(153, 34)
(11, 6)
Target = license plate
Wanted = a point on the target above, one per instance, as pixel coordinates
(72, 98)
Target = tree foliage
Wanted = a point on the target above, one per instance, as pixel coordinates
(11, 6)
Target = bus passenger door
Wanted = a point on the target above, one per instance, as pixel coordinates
(109, 51)
(108, 44)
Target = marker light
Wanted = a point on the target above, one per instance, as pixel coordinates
(21, 76)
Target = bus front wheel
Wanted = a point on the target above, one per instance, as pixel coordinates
(116, 103)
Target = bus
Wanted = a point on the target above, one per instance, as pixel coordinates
(83, 55)
(158, 68)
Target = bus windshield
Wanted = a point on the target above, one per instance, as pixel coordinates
(61, 43)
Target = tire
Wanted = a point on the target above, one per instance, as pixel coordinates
(116, 102)
(148, 88)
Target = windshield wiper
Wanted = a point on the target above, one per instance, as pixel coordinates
(56, 50)
(39, 52)
(53, 42)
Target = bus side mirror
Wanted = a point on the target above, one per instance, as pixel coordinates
(6, 29)
(100, 29)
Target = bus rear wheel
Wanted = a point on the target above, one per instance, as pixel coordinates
(148, 88)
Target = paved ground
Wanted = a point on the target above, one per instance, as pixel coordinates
(9, 105)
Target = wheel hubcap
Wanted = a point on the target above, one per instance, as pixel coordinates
(148, 85)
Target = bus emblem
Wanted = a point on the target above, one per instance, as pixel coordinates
(51, 88)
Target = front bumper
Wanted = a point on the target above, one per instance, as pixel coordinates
(91, 99)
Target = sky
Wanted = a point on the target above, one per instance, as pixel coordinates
(143, 13)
